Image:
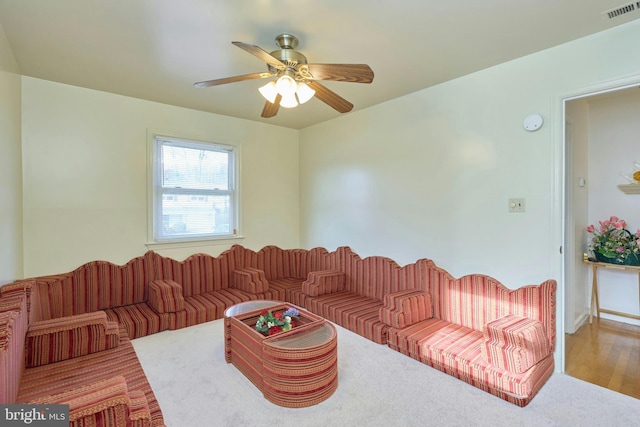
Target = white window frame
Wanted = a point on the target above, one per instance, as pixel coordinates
(156, 190)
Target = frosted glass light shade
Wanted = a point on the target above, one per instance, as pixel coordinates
(286, 85)
(269, 91)
(289, 100)
(304, 92)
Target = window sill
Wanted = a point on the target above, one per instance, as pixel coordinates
(194, 243)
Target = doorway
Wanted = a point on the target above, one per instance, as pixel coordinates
(600, 145)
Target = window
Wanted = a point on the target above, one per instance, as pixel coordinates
(194, 192)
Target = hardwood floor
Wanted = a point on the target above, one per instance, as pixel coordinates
(606, 353)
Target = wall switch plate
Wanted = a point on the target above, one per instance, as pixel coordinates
(516, 205)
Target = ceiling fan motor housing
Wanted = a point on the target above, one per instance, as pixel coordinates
(286, 54)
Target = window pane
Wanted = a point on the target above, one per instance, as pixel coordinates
(193, 168)
(195, 215)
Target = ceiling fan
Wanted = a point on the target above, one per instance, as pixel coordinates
(296, 81)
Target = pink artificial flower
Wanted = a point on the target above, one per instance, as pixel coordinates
(591, 228)
(619, 249)
(619, 225)
(613, 219)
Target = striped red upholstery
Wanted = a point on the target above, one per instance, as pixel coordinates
(206, 307)
(323, 282)
(165, 296)
(13, 328)
(418, 309)
(475, 300)
(404, 308)
(283, 289)
(376, 276)
(251, 280)
(139, 319)
(497, 339)
(515, 343)
(356, 304)
(139, 412)
(88, 355)
(199, 273)
(64, 338)
(354, 312)
(99, 284)
(103, 403)
(45, 381)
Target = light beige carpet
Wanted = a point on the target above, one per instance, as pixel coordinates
(377, 387)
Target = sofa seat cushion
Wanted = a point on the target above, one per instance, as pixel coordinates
(517, 388)
(407, 340)
(290, 290)
(277, 290)
(48, 380)
(138, 319)
(351, 311)
(206, 307)
(457, 350)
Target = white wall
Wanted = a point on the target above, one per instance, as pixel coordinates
(85, 177)
(614, 144)
(430, 174)
(11, 257)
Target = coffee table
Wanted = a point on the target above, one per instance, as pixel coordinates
(296, 368)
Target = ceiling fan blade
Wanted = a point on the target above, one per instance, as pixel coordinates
(331, 98)
(352, 73)
(271, 109)
(226, 80)
(261, 54)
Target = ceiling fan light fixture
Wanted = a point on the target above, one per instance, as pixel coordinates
(304, 92)
(289, 100)
(286, 84)
(269, 91)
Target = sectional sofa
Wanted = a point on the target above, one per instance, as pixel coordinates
(474, 328)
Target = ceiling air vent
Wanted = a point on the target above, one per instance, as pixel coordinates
(621, 10)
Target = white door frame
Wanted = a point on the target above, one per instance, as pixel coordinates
(565, 222)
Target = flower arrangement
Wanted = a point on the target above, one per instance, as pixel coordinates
(612, 242)
(270, 323)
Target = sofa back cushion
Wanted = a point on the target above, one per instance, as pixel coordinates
(101, 284)
(475, 300)
(96, 285)
(376, 276)
(280, 263)
(13, 328)
(305, 261)
(199, 273)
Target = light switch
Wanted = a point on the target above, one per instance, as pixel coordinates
(516, 205)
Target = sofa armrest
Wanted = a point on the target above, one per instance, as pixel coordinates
(64, 338)
(323, 282)
(251, 280)
(102, 401)
(515, 343)
(165, 296)
(404, 308)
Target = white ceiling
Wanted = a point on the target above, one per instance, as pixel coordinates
(157, 49)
